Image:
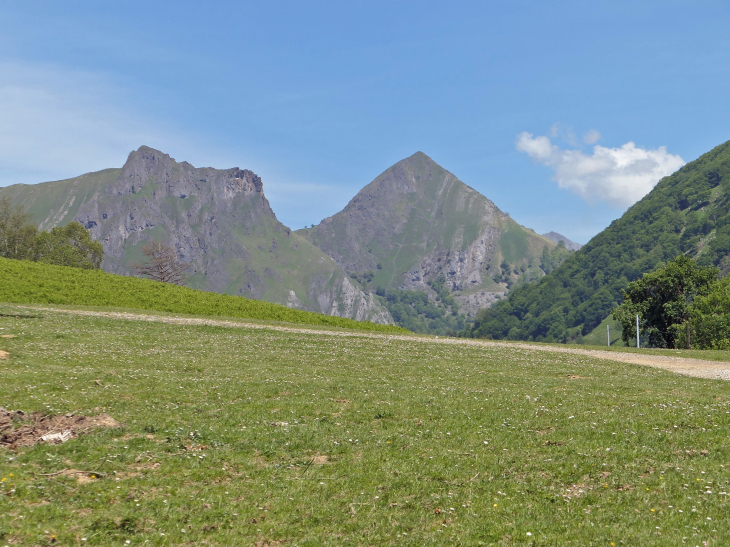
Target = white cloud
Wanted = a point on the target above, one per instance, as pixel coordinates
(619, 176)
(564, 133)
(591, 137)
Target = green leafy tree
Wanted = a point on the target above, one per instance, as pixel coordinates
(17, 233)
(69, 245)
(710, 318)
(663, 301)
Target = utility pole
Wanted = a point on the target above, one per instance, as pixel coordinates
(688, 347)
(608, 331)
(638, 343)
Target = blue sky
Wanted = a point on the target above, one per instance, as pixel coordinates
(318, 98)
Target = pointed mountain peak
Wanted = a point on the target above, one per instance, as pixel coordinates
(420, 156)
(419, 159)
(417, 222)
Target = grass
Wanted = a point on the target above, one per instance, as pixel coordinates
(25, 282)
(236, 436)
(599, 335)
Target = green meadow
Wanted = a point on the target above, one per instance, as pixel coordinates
(252, 436)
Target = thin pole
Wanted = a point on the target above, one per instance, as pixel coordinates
(608, 331)
(688, 335)
(638, 344)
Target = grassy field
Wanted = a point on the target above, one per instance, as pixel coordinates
(236, 436)
(25, 282)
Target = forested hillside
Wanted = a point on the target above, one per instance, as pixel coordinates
(686, 213)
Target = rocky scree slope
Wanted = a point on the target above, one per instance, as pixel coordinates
(218, 220)
(416, 223)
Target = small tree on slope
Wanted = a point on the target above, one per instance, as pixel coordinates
(17, 233)
(163, 264)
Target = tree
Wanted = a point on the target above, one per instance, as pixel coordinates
(663, 300)
(710, 318)
(17, 233)
(69, 245)
(163, 264)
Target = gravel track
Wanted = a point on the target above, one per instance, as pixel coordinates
(680, 365)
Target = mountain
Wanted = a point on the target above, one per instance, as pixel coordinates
(218, 220)
(686, 213)
(417, 224)
(557, 238)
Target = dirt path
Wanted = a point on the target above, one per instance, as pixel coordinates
(690, 367)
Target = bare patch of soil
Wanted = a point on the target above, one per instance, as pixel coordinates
(83, 477)
(18, 429)
(4, 354)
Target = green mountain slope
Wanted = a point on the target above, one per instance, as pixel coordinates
(417, 224)
(25, 282)
(56, 203)
(218, 220)
(687, 212)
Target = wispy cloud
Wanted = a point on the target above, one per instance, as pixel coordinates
(591, 137)
(56, 122)
(618, 176)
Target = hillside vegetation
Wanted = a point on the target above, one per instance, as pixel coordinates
(243, 436)
(36, 283)
(686, 213)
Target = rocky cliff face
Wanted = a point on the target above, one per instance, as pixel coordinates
(199, 211)
(417, 222)
(218, 220)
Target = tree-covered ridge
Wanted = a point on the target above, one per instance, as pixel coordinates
(686, 213)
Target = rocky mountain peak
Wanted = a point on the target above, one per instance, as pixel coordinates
(416, 224)
(149, 166)
(414, 174)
